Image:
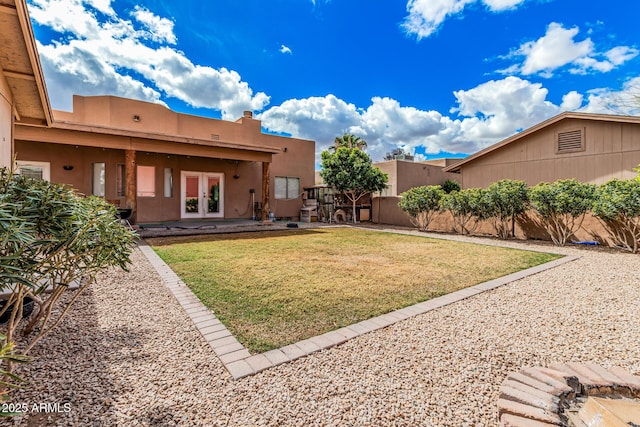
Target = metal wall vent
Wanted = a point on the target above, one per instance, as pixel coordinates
(570, 141)
(215, 137)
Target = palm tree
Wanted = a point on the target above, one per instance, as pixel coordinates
(349, 141)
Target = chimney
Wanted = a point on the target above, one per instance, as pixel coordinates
(248, 114)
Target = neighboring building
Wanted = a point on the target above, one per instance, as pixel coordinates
(163, 165)
(588, 147)
(406, 174)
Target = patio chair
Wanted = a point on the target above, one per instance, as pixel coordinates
(123, 215)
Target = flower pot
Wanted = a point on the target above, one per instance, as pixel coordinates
(27, 309)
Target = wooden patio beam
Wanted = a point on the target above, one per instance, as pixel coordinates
(265, 191)
(131, 190)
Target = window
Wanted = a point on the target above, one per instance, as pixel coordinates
(97, 179)
(120, 180)
(168, 182)
(36, 170)
(570, 141)
(287, 187)
(146, 181)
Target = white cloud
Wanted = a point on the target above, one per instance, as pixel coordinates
(285, 49)
(558, 48)
(499, 5)
(608, 101)
(98, 53)
(621, 54)
(159, 29)
(571, 101)
(555, 49)
(496, 109)
(427, 16)
(486, 114)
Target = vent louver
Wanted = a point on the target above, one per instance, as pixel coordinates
(570, 141)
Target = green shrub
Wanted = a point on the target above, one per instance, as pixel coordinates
(467, 208)
(449, 185)
(562, 206)
(505, 200)
(617, 203)
(50, 237)
(422, 204)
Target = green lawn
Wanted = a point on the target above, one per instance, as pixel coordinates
(275, 288)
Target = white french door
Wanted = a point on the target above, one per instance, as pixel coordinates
(201, 195)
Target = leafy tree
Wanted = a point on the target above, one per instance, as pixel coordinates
(505, 201)
(348, 141)
(562, 206)
(350, 171)
(422, 204)
(450, 185)
(50, 237)
(467, 208)
(617, 202)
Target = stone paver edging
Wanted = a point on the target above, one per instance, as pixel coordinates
(240, 363)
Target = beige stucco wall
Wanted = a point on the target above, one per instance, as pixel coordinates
(110, 118)
(296, 163)
(118, 113)
(404, 175)
(612, 150)
(6, 122)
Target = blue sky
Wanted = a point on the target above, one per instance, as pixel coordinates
(434, 77)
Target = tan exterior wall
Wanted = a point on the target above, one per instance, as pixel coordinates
(108, 129)
(127, 114)
(404, 175)
(6, 122)
(612, 150)
(160, 208)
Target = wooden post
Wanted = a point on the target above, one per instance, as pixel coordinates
(131, 190)
(265, 191)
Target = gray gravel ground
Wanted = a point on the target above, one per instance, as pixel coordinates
(130, 356)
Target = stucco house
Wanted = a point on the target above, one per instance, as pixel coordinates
(404, 175)
(164, 165)
(588, 147)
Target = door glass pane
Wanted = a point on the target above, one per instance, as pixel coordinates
(97, 188)
(192, 194)
(168, 182)
(120, 180)
(146, 181)
(213, 185)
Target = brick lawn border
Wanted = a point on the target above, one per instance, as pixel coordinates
(240, 363)
(539, 397)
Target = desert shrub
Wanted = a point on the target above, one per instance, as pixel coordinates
(562, 206)
(449, 185)
(505, 200)
(422, 204)
(617, 203)
(50, 238)
(466, 207)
